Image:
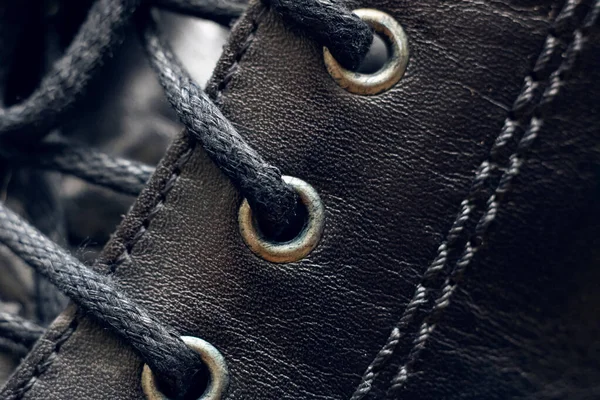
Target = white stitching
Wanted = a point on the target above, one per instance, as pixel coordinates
(516, 161)
(523, 108)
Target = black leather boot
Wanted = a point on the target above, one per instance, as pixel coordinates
(445, 240)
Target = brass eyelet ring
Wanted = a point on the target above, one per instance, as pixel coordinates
(301, 245)
(219, 375)
(393, 69)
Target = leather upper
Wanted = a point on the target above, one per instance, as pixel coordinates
(392, 171)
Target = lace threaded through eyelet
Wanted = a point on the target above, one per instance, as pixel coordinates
(393, 70)
(214, 361)
(297, 248)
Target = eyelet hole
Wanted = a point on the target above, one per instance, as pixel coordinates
(287, 233)
(389, 73)
(196, 392)
(212, 389)
(299, 240)
(377, 57)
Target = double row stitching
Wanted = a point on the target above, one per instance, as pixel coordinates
(524, 109)
(493, 204)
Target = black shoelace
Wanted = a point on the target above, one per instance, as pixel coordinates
(24, 130)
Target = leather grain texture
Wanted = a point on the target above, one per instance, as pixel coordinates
(392, 171)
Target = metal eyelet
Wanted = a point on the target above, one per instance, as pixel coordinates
(301, 245)
(219, 375)
(393, 69)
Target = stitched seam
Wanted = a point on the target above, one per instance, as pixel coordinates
(43, 365)
(160, 204)
(233, 69)
(524, 108)
(517, 159)
(187, 155)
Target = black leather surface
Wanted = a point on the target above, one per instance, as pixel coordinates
(392, 171)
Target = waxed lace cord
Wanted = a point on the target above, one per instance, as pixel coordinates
(19, 330)
(326, 22)
(329, 23)
(259, 181)
(175, 365)
(118, 174)
(273, 201)
(65, 83)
